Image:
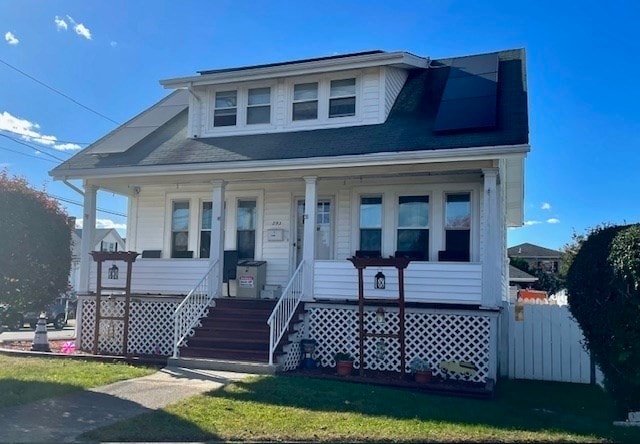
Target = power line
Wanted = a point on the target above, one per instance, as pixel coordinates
(75, 202)
(42, 138)
(37, 147)
(58, 92)
(32, 147)
(28, 155)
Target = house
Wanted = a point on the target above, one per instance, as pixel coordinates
(104, 239)
(410, 166)
(538, 258)
(518, 280)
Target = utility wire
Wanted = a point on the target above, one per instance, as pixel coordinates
(42, 138)
(32, 147)
(75, 202)
(59, 92)
(26, 154)
(37, 147)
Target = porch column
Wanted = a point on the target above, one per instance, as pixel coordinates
(491, 253)
(309, 250)
(88, 234)
(216, 247)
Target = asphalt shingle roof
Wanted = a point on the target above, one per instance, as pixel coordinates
(409, 127)
(531, 250)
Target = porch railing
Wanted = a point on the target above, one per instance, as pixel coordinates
(285, 309)
(193, 307)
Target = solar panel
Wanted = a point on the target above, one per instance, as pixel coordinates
(469, 99)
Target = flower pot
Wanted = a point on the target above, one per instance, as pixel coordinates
(344, 368)
(423, 376)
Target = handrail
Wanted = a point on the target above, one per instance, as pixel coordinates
(285, 309)
(193, 307)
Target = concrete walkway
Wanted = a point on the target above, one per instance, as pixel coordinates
(64, 418)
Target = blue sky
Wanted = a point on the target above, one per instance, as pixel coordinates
(582, 62)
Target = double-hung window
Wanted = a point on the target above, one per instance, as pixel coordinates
(305, 101)
(246, 229)
(179, 228)
(413, 226)
(226, 108)
(458, 226)
(371, 223)
(205, 230)
(342, 98)
(259, 106)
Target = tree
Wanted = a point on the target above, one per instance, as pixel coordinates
(603, 282)
(520, 264)
(35, 246)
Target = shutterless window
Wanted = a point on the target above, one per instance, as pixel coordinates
(413, 226)
(179, 228)
(246, 229)
(205, 229)
(342, 98)
(458, 225)
(371, 223)
(305, 101)
(259, 106)
(226, 108)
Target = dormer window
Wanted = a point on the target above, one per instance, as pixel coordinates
(259, 106)
(305, 101)
(226, 108)
(342, 98)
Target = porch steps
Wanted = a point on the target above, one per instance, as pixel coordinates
(224, 365)
(235, 330)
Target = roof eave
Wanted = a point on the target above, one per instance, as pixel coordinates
(374, 159)
(400, 59)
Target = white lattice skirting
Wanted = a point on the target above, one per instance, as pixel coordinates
(150, 327)
(431, 334)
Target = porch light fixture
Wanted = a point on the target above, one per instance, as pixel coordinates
(380, 281)
(380, 313)
(113, 272)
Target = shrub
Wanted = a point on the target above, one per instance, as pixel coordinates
(603, 284)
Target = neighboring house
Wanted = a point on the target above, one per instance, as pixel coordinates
(538, 258)
(304, 164)
(518, 279)
(104, 239)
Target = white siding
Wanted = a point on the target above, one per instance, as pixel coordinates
(459, 283)
(343, 226)
(277, 215)
(371, 96)
(394, 81)
(150, 212)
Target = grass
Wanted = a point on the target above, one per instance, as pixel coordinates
(286, 408)
(23, 380)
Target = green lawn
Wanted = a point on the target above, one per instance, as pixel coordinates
(24, 380)
(286, 408)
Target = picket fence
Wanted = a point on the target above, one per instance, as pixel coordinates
(544, 342)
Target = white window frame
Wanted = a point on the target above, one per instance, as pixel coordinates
(201, 203)
(343, 96)
(474, 215)
(242, 102)
(429, 226)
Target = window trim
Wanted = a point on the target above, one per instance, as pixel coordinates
(242, 104)
(225, 108)
(359, 224)
(472, 218)
(295, 102)
(429, 226)
(201, 203)
(344, 96)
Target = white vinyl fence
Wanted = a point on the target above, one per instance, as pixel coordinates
(545, 342)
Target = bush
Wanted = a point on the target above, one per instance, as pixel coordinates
(603, 284)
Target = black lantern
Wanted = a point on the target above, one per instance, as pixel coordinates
(113, 272)
(380, 281)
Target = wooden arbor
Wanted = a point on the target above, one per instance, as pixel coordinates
(100, 257)
(400, 263)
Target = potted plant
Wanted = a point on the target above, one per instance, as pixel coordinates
(421, 370)
(344, 363)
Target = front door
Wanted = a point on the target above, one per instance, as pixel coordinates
(323, 230)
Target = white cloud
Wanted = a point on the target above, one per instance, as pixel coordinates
(29, 131)
(113, 43)
(104, 223)
(532, 222)
(545, 206)
(11, 38)
(60, 23)
(82, 31)
(553, 220)
(79, 28)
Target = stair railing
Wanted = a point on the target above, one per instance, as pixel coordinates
(285, 309)
(194, 306)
